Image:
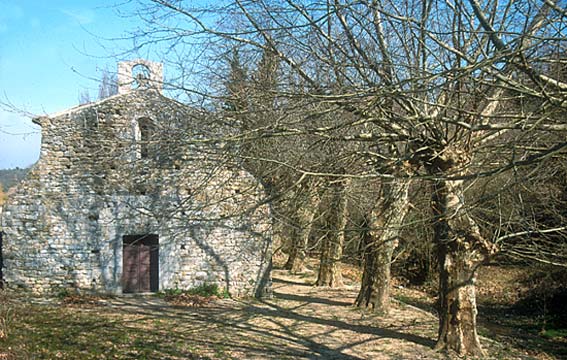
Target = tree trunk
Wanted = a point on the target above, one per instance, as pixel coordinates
(306, 209)
(384, 224)
(280, 228)
(333, 242)
(461, 249)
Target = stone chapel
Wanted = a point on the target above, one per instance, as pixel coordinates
(133, 194)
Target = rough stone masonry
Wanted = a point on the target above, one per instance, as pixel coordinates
(131, 195)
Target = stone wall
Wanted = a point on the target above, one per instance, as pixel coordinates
(100, 177)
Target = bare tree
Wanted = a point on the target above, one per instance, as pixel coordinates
(333, 241)
(108, 84)
(384, 224)
(434, 79)
(84, 97)
(107, 87)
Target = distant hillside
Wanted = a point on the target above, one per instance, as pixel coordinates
(11, 177)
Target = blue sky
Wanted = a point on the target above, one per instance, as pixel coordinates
(49, 52)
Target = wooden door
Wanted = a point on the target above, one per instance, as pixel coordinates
(140, 264)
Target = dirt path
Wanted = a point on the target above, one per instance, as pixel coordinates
(299, 322)
(321, 323)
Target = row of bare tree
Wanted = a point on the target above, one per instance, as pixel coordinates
(353, 112)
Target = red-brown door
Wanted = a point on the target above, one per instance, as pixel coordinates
(140, 263)
(130, 268)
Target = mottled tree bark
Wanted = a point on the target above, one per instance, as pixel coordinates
(461, 249)
(280, 230)
(384, 226)
(305, 211)
(333, 242)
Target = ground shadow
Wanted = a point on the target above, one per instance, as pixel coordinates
(310, 299)
(289, 282)
(276, 311)
(299, 322)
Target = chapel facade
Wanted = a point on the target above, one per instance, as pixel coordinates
(133, 194)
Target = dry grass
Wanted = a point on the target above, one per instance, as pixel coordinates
(300, 322)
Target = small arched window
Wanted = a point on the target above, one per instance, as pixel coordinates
(144, 134)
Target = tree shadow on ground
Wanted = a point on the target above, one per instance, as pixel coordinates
(299, 322)
(276, 311)
(267, 329)
(310, 299)
(290, 282)
(234, 330)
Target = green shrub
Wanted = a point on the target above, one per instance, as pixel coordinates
(62, 293)
(204, 290)
(170, 292)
